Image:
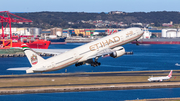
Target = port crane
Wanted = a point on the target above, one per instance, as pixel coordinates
(7, 18)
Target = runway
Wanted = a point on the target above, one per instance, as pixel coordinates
(91, 74)
(67, 82)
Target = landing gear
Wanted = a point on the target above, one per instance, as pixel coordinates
(94, 64)
(137, 43)
(90, 61)
(79, 64)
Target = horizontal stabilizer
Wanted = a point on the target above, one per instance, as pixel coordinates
(21, 68)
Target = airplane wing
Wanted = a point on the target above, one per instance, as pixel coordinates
(52, 51)
(105, 52)
(115, 52)
(101, 53)
(48, 51)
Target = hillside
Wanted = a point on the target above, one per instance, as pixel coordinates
(74, 19)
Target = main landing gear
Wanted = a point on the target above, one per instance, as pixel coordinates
(79, 64)
(93, 63)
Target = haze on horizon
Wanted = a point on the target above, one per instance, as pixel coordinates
(89, 5)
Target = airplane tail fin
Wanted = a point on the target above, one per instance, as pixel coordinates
(32, 56)
(170, 74)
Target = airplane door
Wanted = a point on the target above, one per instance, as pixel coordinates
(52, 64)
(75, 55)
(122, 39)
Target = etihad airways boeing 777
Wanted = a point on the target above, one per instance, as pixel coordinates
(161, 78)
(85, 54)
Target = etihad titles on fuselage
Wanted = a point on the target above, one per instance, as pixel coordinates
(103, 44)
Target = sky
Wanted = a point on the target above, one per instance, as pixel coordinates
(89, 5)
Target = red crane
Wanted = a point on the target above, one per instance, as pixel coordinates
(8, 18)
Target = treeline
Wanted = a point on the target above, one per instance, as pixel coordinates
(61, 19)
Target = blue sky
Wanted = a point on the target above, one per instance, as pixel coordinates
(89, 5)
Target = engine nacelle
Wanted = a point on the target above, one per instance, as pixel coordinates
(119, 52)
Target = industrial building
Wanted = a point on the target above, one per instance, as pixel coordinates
(170, 33)
(22, 31)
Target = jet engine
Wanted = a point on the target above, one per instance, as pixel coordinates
(119, 51)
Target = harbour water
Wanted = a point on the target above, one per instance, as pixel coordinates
(116, 95)
(145, 57)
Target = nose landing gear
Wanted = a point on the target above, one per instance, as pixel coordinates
(137, 43)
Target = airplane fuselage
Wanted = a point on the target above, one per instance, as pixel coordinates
(161, 78)
(82, 53)
(158, 78)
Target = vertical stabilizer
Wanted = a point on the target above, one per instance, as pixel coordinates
(170, 74)
(32, 56)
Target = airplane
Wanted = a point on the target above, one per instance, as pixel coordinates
(85, 54)
(161, 78)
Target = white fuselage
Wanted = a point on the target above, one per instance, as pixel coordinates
(159, 78)
(81, 53)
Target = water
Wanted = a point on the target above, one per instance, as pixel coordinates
(114, 95)
(145, 57)
(155, 31)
